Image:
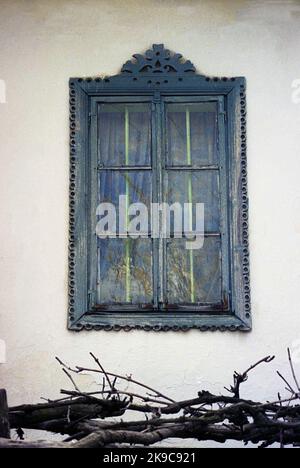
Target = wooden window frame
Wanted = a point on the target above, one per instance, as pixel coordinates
(156, 76)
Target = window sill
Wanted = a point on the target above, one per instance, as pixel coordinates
(149, 321)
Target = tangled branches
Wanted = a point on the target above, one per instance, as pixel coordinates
(81, 415)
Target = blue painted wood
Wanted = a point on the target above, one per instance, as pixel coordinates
(78, 222)
(156, 75)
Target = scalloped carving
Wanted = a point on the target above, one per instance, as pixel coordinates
(72, 187)
(158, 60)
(159, 328)
(244, 204)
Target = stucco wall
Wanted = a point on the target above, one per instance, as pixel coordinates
(43, 43)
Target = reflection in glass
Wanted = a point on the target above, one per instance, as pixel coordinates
(135, 185)
(122, 125)
(202, 133)
(113, 266)
(196, 187)
(206, 272)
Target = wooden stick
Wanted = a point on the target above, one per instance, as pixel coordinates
(4, 422)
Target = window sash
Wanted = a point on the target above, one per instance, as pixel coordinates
(221, 167)
(159, 168)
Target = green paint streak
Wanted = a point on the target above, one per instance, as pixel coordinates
(127, 241)
(190, 198)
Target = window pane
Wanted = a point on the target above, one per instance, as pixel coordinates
(124, 134)
(125, 271)
(194, 275)
(196, 187)
(135, 186)
(192, 134)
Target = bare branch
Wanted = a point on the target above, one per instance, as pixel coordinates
(206, 417)
(290, 388)
(72, 380)
(127, 379)
(238, 378)
(293, 370)
(103, 371)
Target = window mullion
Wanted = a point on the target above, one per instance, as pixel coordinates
(163, 181)
(190, 199)
(158, 170)
(224, 202)
(127, 241)
(155, 182)
(93, 254)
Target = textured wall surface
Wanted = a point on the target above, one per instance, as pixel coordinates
(43, 43)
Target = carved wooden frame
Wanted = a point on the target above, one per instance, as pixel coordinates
(158, 72)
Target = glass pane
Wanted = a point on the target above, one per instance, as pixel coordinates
(192, 134)
(125, 271)
(194, 275)
(135, 186)
(124, 134)
(196, 187)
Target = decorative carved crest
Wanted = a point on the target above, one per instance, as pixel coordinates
(158, 60)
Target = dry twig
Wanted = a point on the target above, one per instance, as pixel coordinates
(206, 417)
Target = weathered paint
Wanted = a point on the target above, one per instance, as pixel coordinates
(160, 76)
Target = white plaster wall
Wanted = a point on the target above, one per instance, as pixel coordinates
(43, 43)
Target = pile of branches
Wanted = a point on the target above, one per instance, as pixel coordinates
(81, 416)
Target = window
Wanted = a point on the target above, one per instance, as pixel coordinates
(158, 137)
